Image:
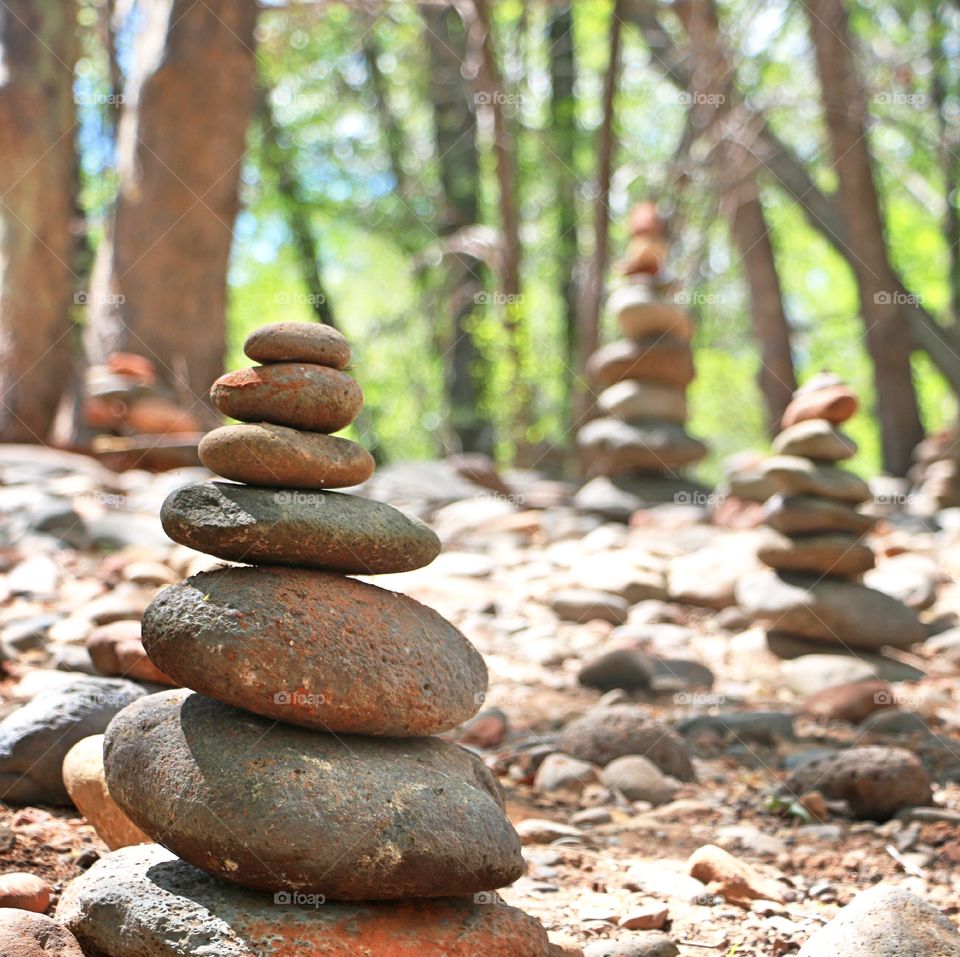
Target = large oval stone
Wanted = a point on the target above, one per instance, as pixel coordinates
(273, 807)
(614, 447)
(837, 612)
(641, 312)
(298, 342)
(332, 530)
(634, 401)
(792, 514)
(302, 396)
(794, 475)
(144, 902)
(815, 439)
(836, 554)
(264, 454)
(835, 403)
(316, 649)
(661, 359)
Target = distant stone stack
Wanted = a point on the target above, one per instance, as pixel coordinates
(634, 450)
(814, 597)
(302, 763)
(936, 473)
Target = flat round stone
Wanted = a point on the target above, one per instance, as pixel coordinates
(792, 514)
(640, 312)
(614, 447)
(836, 612)
(827, 554)
(815, 439)
(298, 342)
(663, 359)
(793, 475)
(329, 530)
(263, 454)
(312, 397)
(634, 401)
(144, 901)
(318, 650)
(273, 807)
(834, 402)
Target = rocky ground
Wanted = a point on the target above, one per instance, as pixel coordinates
(744, 833)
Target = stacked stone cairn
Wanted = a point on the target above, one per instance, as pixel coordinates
(813, 599)
(936, 473)
(299, 758)
(634, 449)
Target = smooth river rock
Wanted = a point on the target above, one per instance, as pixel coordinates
(264, 454)
(25, 934)
(815, 439)
(613, 447)
(835, 402)
(840, 612)
(300, 395)
(663, 359)
(640, 312)
(298, 342)
(316, 649)
(885, 921)
(604, 734)
(634, 401)
(876, 782)
(327, 530)
(829, 554)
(35, 739)
(279, 808)
(792, 474)
(793, 514)
(144, 902)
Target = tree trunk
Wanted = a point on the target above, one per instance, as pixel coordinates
(491, 93)
(776, 378)
(563, 132)
(714, 115)
(159, 285)
(36, 208)
(455, 133)
(949, 145)
(887, 333)
(588, 319)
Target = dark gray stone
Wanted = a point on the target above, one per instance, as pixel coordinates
(280, 808)
(35, 739)
(326, 530)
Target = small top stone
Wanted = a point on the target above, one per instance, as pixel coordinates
(298, 342)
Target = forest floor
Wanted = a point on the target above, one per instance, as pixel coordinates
(501, 565)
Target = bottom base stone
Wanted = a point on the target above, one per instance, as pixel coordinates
(142, 901)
